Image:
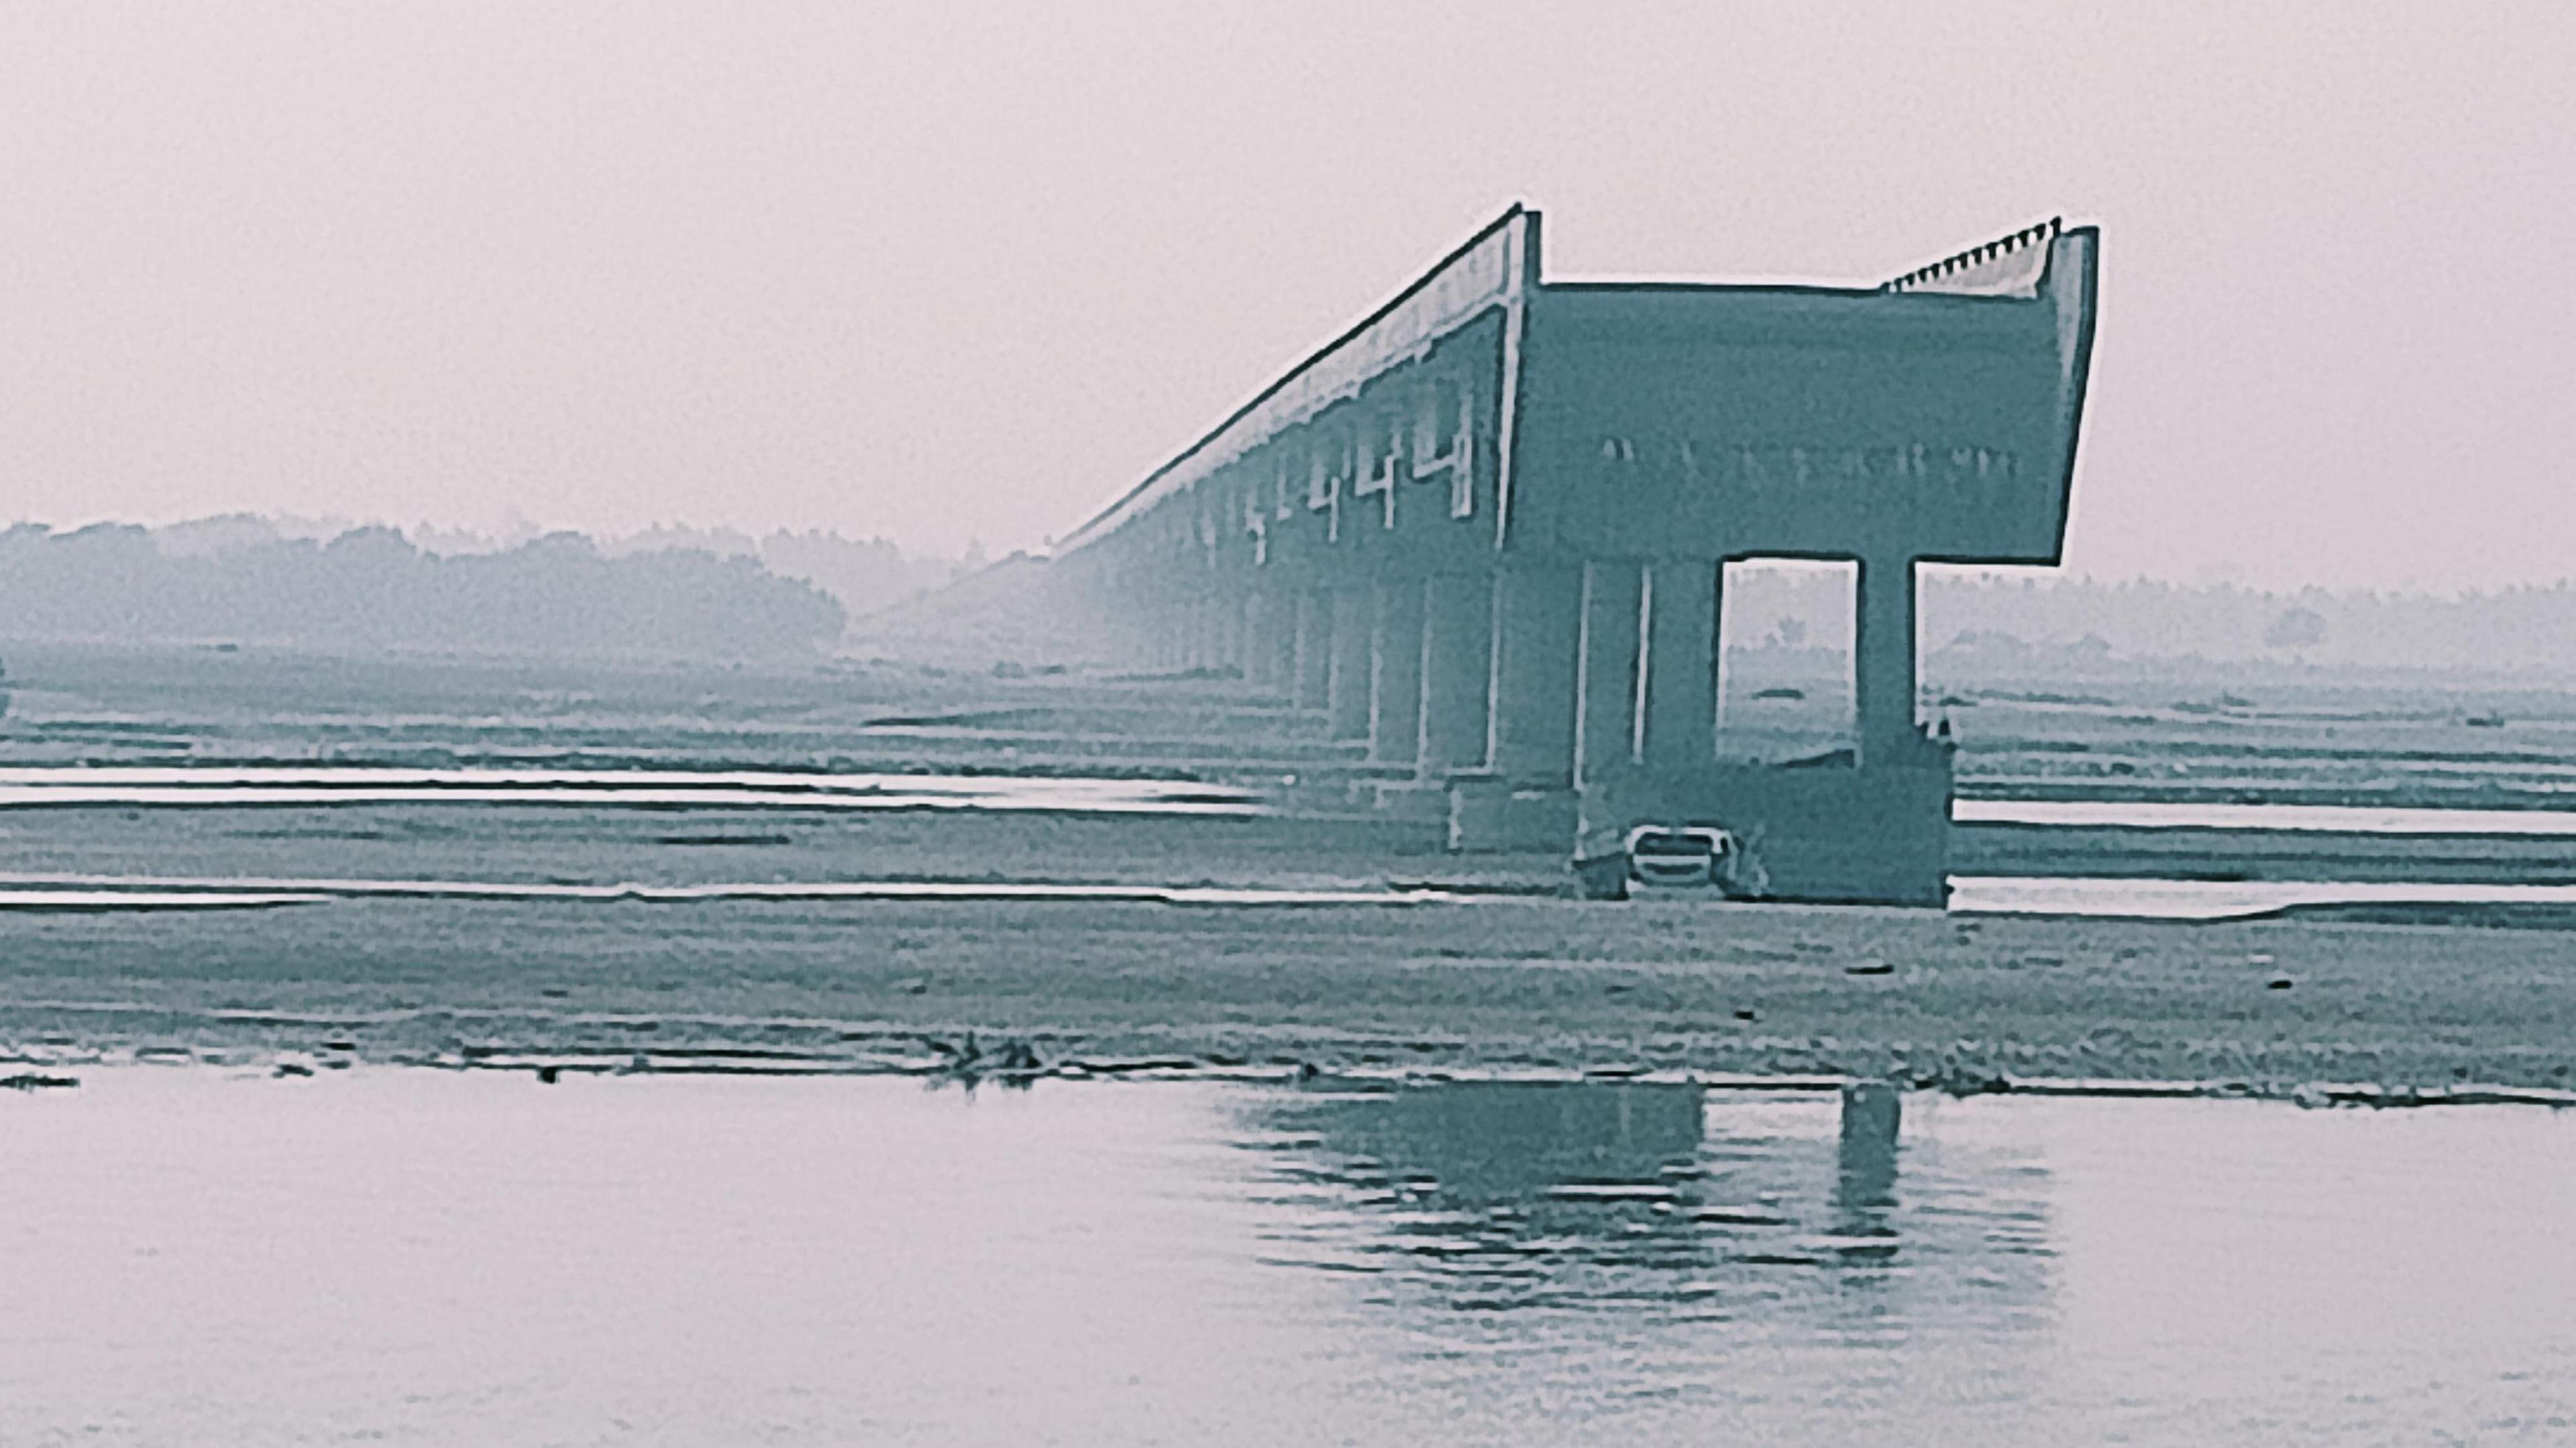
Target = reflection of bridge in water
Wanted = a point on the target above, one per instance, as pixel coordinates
(1638, 1209)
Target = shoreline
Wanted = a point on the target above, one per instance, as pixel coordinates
(2265, 1008)
(59, 1074)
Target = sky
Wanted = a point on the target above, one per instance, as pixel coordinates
(955, 273)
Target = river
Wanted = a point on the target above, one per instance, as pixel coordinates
(393, 1255)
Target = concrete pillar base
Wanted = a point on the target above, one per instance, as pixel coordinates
(1866, 834)
(1412, 800)
(1488, 816)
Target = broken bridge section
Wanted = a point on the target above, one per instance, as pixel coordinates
(1485, 530)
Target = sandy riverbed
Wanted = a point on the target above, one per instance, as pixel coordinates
(1491, 985)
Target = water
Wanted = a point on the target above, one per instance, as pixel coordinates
(59, 900)
(2305, 819)
(449, 1257)
(2209, 900)
(159, 778)
(269, 786)
(2120, 898)
(181, 892)
(234, 786)
(2116, 898)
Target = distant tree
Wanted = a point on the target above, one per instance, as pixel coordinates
(371, 588)
(1987, 644)
(2296, 629)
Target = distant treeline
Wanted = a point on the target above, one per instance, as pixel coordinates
(865, 574)
(723, 594)
(371, 588)
(1972, 622)
(2511, 630)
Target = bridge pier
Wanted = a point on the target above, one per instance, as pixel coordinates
(1605, 731)
(1199, 628)
(1526, 798)
(1283, 644)
(1679, 725)
(1348, 668)
(1310, 653)
(1457, 670)
(1169, 624)
(1228, 614)
(1883, 663)
(1260, 652)
(1538, 615)
(1395, 673)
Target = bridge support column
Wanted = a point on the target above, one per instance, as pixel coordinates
(1538, 615)
(1311, 655)
(1346, 679)
(1395, 673)
(1260, 621)
(1225, 609)
(1205, 641)
(1524, 799)
(1605, 732)
(1457, 668)
(1883, 662)
(1206, 630)
(1680, 714)
(1283, 643)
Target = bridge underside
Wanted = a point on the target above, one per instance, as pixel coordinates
(1557, 707)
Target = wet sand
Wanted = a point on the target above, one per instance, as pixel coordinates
(1498, 985)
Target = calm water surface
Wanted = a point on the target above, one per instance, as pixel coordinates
(2105, 897)
(395, 1256)
(237, 786)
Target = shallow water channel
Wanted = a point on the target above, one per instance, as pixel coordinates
(423, 1256)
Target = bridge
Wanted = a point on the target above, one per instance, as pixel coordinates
(1485, 530)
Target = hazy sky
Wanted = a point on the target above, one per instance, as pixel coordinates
(949, 271)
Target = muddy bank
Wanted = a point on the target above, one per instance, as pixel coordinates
(1496, 985)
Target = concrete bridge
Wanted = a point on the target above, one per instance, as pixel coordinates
(1486, 529)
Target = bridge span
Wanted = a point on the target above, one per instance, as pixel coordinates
(1486, 528)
